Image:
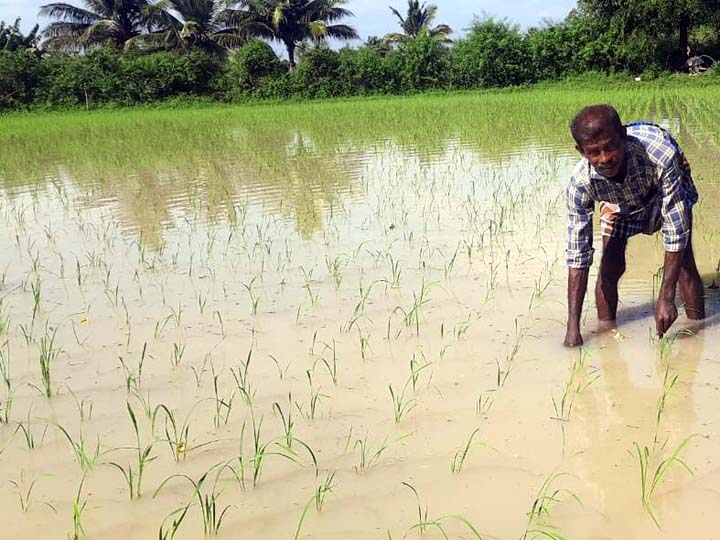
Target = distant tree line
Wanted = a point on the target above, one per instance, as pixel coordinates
(127, 52)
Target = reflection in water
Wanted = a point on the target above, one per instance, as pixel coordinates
(152, 168)
(621, 409)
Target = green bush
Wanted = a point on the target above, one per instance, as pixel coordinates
(365, 71)
(317, 74)
(163, 75)
(420, 64)
(255, 70)
(106, 76)
(551, 51)
(22, 72)
(86, 80)
(494, 53)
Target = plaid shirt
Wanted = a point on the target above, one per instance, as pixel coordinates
(655, 167)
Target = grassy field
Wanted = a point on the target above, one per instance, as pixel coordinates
(341, 319)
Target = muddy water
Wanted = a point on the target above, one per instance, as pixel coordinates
(298, 282)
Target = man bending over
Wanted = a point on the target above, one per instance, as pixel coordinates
(641, 180)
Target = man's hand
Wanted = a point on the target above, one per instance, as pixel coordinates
(665, 315)
(665, 310)
(573, 337)
(577, 284)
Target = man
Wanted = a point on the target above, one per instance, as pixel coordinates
(642, 181)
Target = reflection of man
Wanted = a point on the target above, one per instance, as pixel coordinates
(620, 409)
(642, 181)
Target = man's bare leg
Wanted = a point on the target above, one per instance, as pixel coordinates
(692, 290)
(612, 266)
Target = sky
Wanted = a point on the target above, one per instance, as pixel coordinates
(372, 17)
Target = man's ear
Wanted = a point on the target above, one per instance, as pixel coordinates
(580, 150)
(623, 133)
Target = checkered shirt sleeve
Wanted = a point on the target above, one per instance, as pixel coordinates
(676, 204)
(580, 228)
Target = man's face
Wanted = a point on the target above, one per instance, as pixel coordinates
(607, 154)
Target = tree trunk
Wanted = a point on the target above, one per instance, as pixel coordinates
(291, 54)
(684, 31)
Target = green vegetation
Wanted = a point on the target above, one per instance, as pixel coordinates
(138, 52)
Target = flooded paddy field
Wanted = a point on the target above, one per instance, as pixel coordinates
(341, 320)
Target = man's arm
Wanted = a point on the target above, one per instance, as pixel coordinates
(676, 233)
(579, 256)
(665, 309)
(577, 285)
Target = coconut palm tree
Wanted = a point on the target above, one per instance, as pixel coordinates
(99, 22)
(184, 24)
(12, 38)
(418, 19)
(292, 22)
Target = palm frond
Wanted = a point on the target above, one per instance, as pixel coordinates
(67, 12)
(396, 38)
(101, 31)
(341, 31)
(228, 40)
(64, 29)
(400, 18)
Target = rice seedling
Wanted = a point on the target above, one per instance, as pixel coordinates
(198, 373)
(288, 423)
(461, 455)
(359, 310)
(220, 322)
(133, 377)
(223, 404)
(27, 333)
(331, 364)
(412, 315)
(48, 354)
(439, 523)
(395, 272)
(539, 523)
(242, 379)
(315, 397)
(282, 371)
(402, 404)
(36, 292)
(208, 501)
(79, 505)
(25, 489)
(369, 456)
(364, 344)
(649, 481)
(160, 326)
(177, 516)
(4, 319)
(273, 447)
(202, 302)
(5, 380)
(335, 267)
(85, 458)
(177, 353)
(318, 500)
(134, 476)
(176, 314)
(27, 430)
(504, 372)
(669, 382)
(177, 435)
(254, 300)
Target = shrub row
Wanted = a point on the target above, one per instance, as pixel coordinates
(493, 54)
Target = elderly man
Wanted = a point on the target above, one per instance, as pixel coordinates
(641, 180)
